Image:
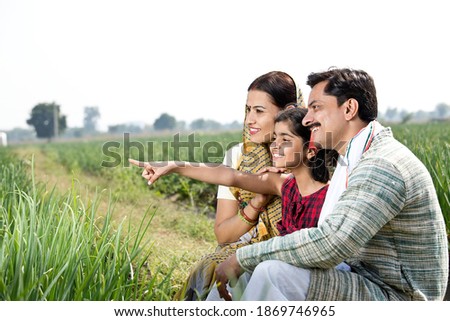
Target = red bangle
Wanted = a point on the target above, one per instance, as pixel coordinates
(261, 209)
(247, 219)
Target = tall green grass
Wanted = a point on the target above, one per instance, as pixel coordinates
(57, 247)
(431, 144)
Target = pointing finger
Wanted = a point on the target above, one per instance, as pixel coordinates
(136, 163)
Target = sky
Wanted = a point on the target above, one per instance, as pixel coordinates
(193, 59)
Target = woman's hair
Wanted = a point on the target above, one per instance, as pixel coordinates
(323, 158)
(278, 85)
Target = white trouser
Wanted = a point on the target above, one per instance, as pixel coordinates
(270, 281)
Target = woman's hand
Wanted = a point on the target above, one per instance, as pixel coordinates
(153, 171)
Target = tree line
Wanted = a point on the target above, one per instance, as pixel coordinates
(48, 122)
(395, 115)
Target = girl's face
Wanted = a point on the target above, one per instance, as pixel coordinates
(261, 113)
(288, 150)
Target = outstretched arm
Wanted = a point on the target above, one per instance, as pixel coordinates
(264, 183)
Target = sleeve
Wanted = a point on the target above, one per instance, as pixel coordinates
(376, 193)
(231, 159)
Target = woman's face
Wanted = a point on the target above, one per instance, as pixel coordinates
(261, 113)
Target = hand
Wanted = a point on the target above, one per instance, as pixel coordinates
(227, 271)
(271, 169)
(260, 200)
(152, 171)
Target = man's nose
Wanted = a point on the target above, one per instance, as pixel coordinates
(307, 120)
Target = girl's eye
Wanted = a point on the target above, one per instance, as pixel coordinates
(259, 111)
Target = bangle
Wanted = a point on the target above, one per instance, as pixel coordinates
(261, 209)
(245, 218)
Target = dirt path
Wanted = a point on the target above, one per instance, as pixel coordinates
(167, 245)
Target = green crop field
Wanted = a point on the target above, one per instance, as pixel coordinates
(78, 223)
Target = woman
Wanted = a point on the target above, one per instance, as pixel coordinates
(267, 96)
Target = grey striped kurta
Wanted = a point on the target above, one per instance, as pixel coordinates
(387, 226)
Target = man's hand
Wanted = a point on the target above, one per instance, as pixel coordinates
(227, 271)
(271, 169)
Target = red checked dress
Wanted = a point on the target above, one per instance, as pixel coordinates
(299, 211)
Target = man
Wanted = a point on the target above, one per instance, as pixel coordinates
(386, 225)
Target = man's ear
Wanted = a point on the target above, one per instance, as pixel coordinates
(351, 109)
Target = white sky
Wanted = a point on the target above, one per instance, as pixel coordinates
(136, 59)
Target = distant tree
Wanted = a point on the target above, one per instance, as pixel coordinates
(234, 125)
(44, 117)
(405, 116)
(442, 110)
(198, 124)
(165, 121)
(180, 125)
(124, 128)
(73, 132)
(91, 117)
(213, 125)
(391, 113)
(202, 124)
(421, 116)
(21, 135)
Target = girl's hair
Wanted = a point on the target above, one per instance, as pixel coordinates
(278, 85)
(323, 158)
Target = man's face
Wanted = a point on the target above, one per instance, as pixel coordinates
(326, 119)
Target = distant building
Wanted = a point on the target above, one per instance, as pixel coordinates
(3, 141)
